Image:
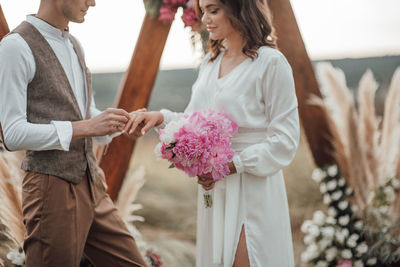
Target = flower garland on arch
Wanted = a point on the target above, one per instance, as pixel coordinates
(165, 11)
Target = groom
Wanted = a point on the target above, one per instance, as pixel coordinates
(47, 109)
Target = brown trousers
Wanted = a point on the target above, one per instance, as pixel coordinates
(64, 220)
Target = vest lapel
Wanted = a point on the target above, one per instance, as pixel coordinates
(88, 75)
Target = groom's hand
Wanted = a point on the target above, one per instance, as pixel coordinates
(108, 122)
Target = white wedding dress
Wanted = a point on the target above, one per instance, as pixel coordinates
(260, 96)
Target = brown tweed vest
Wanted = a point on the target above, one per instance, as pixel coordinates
(50, 97)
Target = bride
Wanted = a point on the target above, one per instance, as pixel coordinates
(245, 76)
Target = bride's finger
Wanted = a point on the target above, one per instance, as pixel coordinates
(130, 122)
(139, 118)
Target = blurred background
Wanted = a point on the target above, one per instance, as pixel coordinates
(354, 35)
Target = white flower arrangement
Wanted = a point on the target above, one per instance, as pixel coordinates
(339, 236)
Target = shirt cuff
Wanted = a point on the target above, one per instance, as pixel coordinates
(238, 163)
(64, 133)
(106, 139)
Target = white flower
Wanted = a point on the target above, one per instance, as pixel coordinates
(349, 191)
(362, 248)
(170, 129)
(396, 183)
(313, 230)
(16, 257)
(389, 192)
(305, 226)
(345, 232)
(343, 205)
(327, 199)
(322, 188)
(346, 253)
(332, 212)
(333, 170)
(359, 225)
(339, 237)
(344, 220)
(358, 263)
(330, 254)
(309, 239)
(319, 217)
(318, 175)
(322, 264)
(324, 243)
(328, 231)
(310, 253)
(371, 261)
(330, 220)
(341, 181)
(337, 195)
(351, 243)
(354, 237)
(384, 209)
(331, 185)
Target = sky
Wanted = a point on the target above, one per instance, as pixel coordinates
(330, 29)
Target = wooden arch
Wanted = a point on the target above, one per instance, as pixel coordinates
(139, 79)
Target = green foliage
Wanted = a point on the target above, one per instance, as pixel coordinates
(153, 7)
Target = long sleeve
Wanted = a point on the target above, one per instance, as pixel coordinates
(100, 140)
(17, 69)
(278, 149)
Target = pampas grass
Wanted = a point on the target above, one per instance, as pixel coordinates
(127, 195)
(10, 195)
(366, 150)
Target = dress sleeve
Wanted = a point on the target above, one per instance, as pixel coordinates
(279, 147)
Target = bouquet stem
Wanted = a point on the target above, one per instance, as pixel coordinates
(208, 201)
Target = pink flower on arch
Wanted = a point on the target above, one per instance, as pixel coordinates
(175, 3)
(189, 17)
(167, 14)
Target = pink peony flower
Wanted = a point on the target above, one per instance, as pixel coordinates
(175, 3)
(344, 263)
(167, 14)
(191, 4)
(189, 17)
(201, 145)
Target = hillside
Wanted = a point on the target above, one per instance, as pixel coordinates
(173, 87)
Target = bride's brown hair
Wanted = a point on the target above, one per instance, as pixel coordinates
(253, 20)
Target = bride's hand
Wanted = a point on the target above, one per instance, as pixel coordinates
(140, 122)
(206, 181)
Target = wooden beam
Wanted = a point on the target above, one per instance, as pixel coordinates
(3, 25)
(292, 46)
(134, 93)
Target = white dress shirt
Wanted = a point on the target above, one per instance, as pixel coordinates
(17, 69)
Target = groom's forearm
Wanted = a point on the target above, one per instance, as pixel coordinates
(81, 129)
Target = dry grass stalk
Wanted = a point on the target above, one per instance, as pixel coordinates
(10, 195)
(368, 128)
(389, 145)
(129, 190)
(342, 112)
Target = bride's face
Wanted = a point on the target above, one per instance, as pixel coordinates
(215, 19)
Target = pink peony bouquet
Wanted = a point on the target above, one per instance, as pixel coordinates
(199, 144)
